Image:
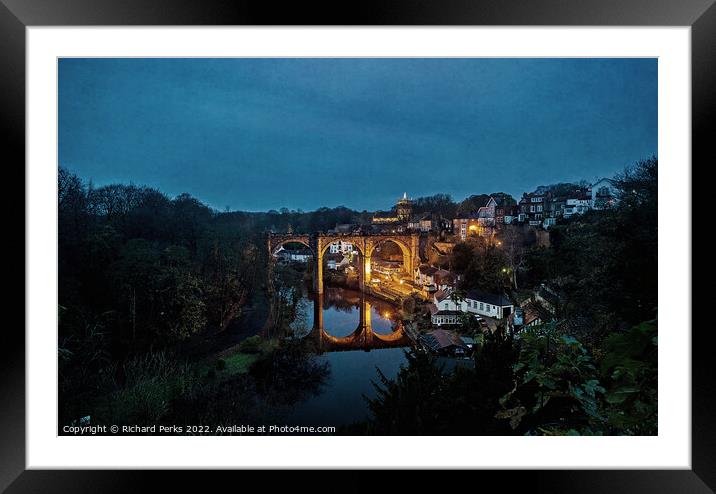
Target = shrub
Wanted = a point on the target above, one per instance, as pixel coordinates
(251, 345)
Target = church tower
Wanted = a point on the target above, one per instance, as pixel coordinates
(404, 208)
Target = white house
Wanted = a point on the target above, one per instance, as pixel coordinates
(475, 302)
(444, 302)
(577, 205)
(488, 304)
(303, 255)
(446, 317)
(340, 247)
(300, 255)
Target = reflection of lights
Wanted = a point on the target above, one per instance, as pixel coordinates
(401, 282)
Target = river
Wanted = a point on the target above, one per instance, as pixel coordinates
(351, 357)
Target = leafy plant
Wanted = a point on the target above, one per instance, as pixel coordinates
(629, 369)
(556, 384)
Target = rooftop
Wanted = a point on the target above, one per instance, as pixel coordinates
(488, 298)
(440, 338)
(427, 270)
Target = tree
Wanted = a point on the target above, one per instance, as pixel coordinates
(629, 373)
(487, 271)
(439, 204)
(461, 256)
(514, 242)
(557, 389)
(471, 205)
(414, 402)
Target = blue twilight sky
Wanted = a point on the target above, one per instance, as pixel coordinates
(259, 134)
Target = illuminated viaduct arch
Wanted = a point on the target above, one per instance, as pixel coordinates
(365, 244)
(276, 241)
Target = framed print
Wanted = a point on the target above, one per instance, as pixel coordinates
(418, 238)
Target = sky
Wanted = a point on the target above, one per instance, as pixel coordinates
(260, 134)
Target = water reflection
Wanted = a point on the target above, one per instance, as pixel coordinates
(374, 325)
(355, 335)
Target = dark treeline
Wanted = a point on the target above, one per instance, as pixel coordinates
(142, 274)
(159, 269)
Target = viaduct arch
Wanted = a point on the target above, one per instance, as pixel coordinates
(365, 244)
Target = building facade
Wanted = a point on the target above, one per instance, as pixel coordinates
(604, 194)
(475, 302)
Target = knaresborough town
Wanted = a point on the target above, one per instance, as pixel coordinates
(502, 301)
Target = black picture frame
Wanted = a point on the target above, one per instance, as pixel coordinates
(16, 15)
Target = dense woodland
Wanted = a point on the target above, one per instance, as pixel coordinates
(141, 273)
(144, 277)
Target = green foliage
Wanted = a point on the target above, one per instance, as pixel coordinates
(238, 363)
(251, 344)
(413, 403)
(604, 263)
(629, 371)
(556, 384)
(462, 255)
(424, 398)
(471, 204)
(151, 382)
(289, 373)
(439, 204)
(487, 271)
(482, 264)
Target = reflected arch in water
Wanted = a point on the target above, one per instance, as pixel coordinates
(363, 338)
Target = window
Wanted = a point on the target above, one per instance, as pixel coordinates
(481, 306)
(539, 208)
